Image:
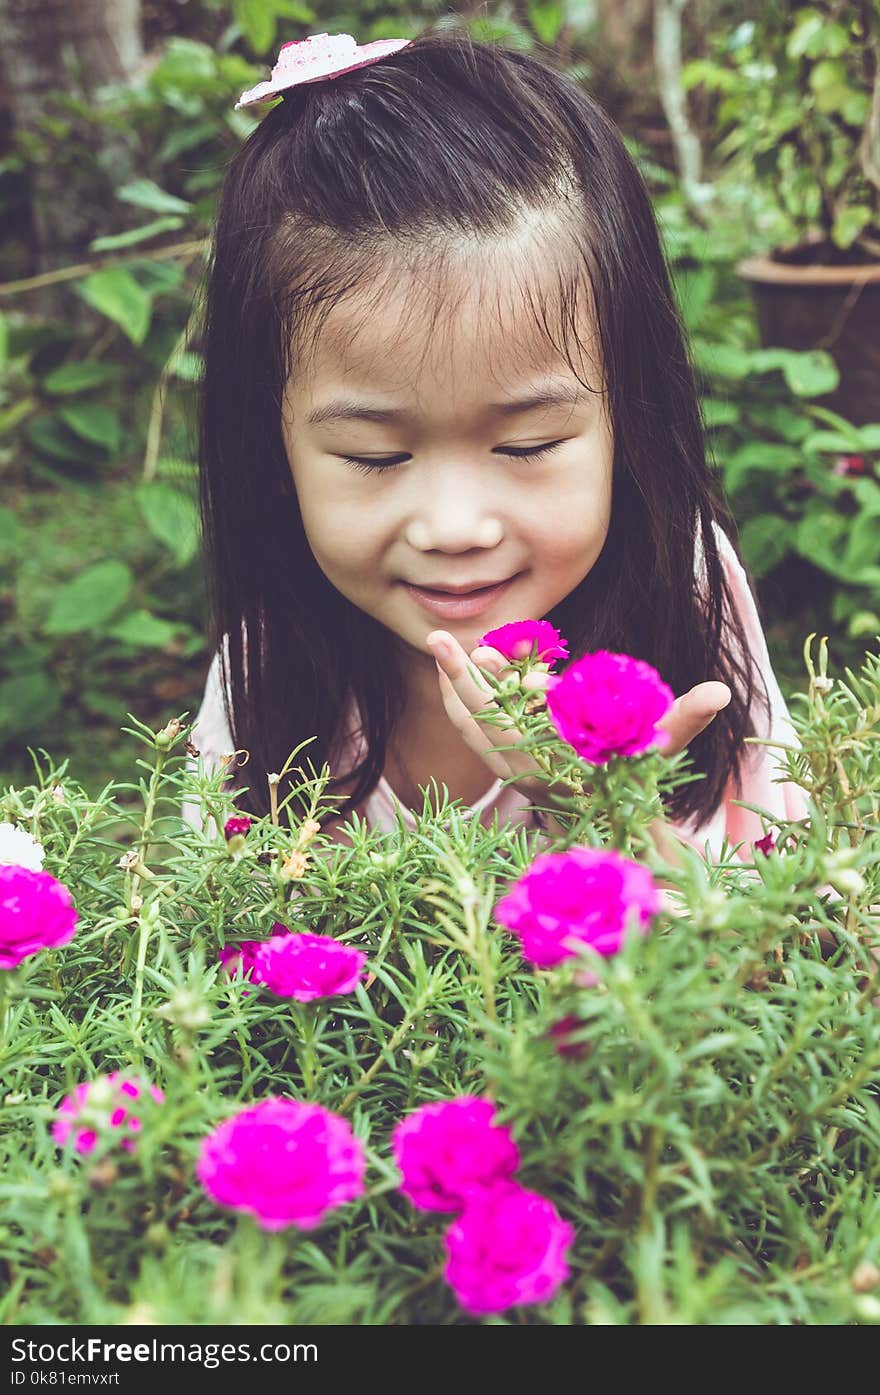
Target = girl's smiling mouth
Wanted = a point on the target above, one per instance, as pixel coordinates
(460, 606)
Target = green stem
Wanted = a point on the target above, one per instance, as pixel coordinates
(305, 1020)
(143, 939)
(395, 1040)
(150, 807)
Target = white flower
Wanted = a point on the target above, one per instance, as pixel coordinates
(19, 848)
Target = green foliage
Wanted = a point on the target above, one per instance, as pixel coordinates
(712, 1135)
(794, 88)
(803, 483)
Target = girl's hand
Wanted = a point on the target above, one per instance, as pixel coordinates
(464, 695)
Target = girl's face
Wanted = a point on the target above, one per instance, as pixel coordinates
(422, 457)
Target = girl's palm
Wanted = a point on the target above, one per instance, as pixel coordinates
(465, 692)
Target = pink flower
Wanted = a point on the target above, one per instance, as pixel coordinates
(585, 896)
(36, 912)
(608, 705)
(284, 1162)
(304, 966)
(236, 827)
(239, 960)
(100, 1105)
(445, 1150)
(516, 640)
(508, 1247)
(316, 58)
(849, 465)
(765, 844)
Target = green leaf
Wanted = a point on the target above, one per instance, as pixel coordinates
(4, 340)
(546, 19)
(79, 377)
(11, 416)
(765, 542)
(808, 24)
(172, 518)
(867, 493)
(790, 425)
(26, 702)
(862, 544)
(849, 222)
(145, 193)
(294, 9)
(718, 412)
(695, 290)
(863, 622)
(817, 536)
(258, 23)
(53, 438)
(10, 533)
(114, 292)
(841, 443)
(723, 360)
(766, 457)
(185, 138)
(94, 423)
(142, 630)
(155, 277)
(90, 600)
(135, 235)
(811, 374)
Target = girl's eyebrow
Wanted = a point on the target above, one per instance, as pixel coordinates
(348, 409)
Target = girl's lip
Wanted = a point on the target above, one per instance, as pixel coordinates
(450, 607)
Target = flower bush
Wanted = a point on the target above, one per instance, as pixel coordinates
(507, 1105)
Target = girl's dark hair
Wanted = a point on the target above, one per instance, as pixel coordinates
(446, 138)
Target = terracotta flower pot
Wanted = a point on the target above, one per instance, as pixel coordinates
(836, 308)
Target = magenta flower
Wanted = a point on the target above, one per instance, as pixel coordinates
(508, 1247)
(305, 967)
(608, 705)
(236, 827)
(98, 1106)
(585, 896)
(36, 912)
(239, 960)
(445, 1150)
(516, 640)
(283, 1162)
(766, 844)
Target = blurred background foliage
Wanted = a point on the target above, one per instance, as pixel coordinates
(754, 126)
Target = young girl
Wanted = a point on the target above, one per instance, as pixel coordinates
(446, 387)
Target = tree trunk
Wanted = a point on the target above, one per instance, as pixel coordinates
(52, 50)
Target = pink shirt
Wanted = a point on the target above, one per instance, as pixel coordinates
(763, 783)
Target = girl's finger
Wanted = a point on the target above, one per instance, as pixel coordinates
(692, 713)
(465, 693)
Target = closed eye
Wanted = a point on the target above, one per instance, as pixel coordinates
(391, 463)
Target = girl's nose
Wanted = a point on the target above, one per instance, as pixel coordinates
(452, 512)
(446, 534)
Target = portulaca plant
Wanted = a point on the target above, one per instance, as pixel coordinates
(447, 1075)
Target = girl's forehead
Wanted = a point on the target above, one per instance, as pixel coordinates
(469, 324)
